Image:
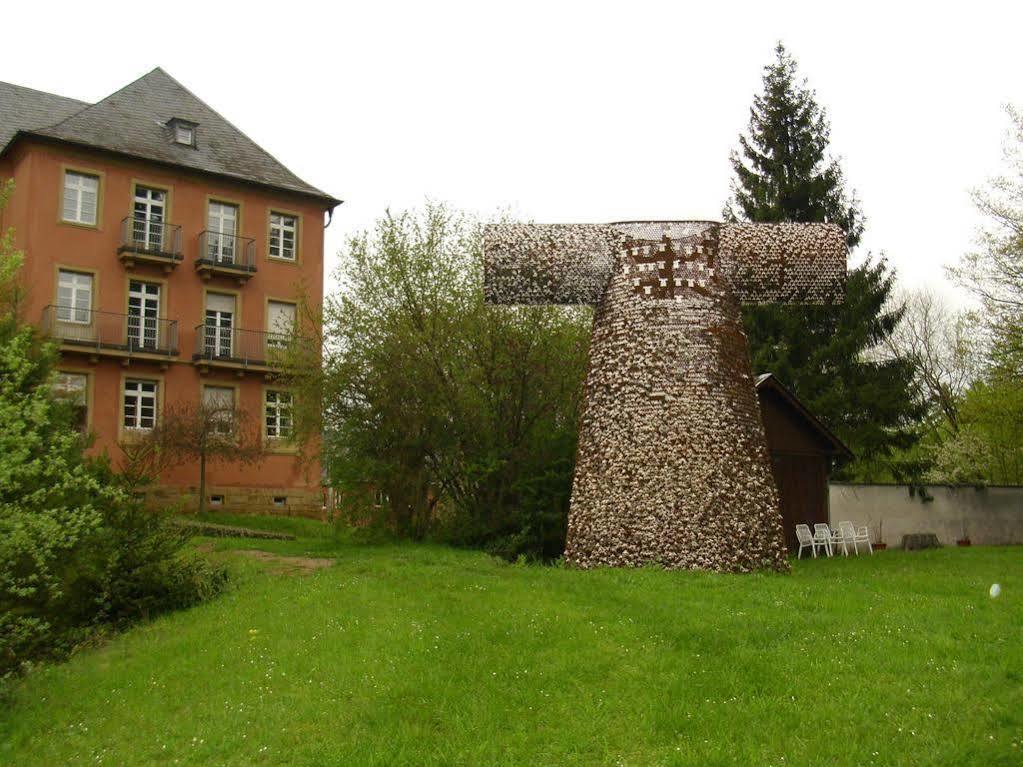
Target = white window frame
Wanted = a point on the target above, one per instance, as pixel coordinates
(224, 421)
(77, 310)
(282, 224)
(139, 392)
(77, 185)
(278, 409)
(222, 228)
(150, 206)
(144, 300)
(219, 330)
(276, 337)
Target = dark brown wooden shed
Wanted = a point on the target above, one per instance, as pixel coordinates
(803, 451)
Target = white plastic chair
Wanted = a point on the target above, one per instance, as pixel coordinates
(805, 538)
(822, 538)
(856, 536)
(835, 537)
(825, 537)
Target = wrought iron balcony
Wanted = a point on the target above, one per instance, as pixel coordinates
(226, 255)
(111, 334)
(149, 240)
(237, 348)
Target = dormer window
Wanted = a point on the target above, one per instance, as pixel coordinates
(183, 131)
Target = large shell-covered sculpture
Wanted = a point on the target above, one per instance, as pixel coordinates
(673, 466)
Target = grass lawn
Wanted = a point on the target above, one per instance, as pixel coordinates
(422, 655)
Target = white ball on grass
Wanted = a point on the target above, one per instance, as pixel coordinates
(995, 590)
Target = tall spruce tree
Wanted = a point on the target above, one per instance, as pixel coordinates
(784, 173)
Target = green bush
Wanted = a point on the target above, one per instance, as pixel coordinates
(445, 417)
(50, 503)
(137, 565)
(76, 553)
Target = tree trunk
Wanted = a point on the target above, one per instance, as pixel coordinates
(202, 482)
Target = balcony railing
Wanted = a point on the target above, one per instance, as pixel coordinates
(122, 335)
(227, 254)
(237, 347)
(150, 239)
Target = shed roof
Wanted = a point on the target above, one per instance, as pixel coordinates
(133, 122)
(769, 382)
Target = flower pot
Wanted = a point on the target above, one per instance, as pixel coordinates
(963, 542)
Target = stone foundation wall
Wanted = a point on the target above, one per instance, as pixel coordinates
(284, 501)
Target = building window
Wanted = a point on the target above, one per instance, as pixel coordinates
(280, 323)
(278, 414)
(74, 297)
(182, 131)
(216, 500)
(218, 401)
(139, 404)
(81, 198)
(147, 222)
(283, 234)
(219, 329)
(222, 228)
(73, 388)
(143, 315)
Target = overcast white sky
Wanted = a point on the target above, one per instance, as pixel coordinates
(567, 111)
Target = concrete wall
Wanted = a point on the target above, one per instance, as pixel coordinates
(992, 516)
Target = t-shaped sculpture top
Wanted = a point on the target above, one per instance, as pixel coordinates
(572, 263)
(673, 464)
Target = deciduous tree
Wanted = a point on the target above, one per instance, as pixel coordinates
(462, 416)
(211, 431)
(942, 344)
(990, 447)
(994, 271)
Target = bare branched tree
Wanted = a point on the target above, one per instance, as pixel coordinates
(945, 348)
(209, 432)
(994, 272)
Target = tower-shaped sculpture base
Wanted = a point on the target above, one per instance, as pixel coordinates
(673, 465)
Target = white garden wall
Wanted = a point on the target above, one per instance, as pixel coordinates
(992, 516)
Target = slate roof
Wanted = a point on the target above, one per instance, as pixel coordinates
(132, 121)
(25, 109)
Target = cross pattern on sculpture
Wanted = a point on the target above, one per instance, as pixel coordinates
(660, 272)
(696, 489)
